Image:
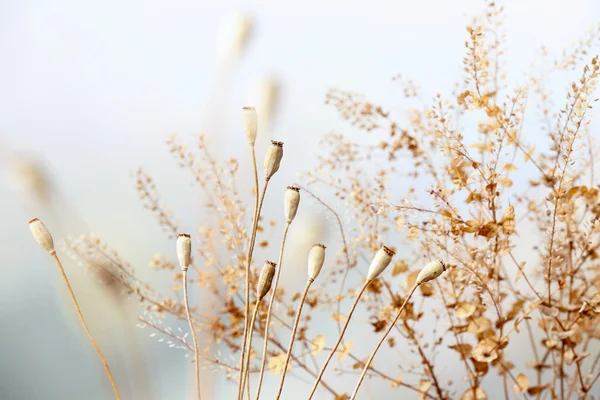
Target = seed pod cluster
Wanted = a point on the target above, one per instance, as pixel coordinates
(382, 259)
(265, 279)
(431, 271)
(250, 124)
(316, 258)
(42, 235)
(292, 200)
(184, 250)
(273, 158)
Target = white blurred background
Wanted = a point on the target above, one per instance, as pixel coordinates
(92, 89)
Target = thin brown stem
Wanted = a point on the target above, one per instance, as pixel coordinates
(85, 327)
(339, 340)
(247, 363)
(293, 337)
(387, 332)
(271, 302)
(248, 262)
(193, 332)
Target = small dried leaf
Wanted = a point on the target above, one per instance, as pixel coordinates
(465, 310)
(318, 344)
(522, 383)
(345, 349)
(478, 395)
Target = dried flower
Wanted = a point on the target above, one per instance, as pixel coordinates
(250, 123)
(265, 279)
(316, 258)
(184, 250)
(431, 271)
(234, 35)
(273, 158)
(292, 199)
(42, 235)
(382, 259)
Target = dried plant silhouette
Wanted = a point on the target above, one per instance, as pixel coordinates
(512, 296)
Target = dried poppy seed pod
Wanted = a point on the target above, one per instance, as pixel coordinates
(292, 199)
(431, 271)
(265, 279)
(316, 258)
(250, 123)
(184, 250)
(42, 235)
(382, 259)
(273, 158)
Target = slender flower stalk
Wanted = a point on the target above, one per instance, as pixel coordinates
(184, 250)
(431, 271)
(292, 199)
(387, 332)
(248, 262)
(293, 336)
(382, 259)
(44, 238)
(316, 258)
(265, 281)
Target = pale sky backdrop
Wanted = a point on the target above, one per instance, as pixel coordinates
(94, 88)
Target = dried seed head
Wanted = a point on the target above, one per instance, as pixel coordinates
(250, 123)
(273, 158)
(316, 258)
(431, 271)
(382, 259)
(184, 250)
(292, 199)
(42, 235)
(234, 35)
(265, 279)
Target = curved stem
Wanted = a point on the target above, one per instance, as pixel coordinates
(193, 332)
(387, 332)
(248, 262)
(85, 327)
(339, 340)
(247, 363)
(271, 301)
(293, 337)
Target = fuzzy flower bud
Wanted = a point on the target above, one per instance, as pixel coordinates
(250, 123)
(184, 250)
(42, 235)
(382, 259)
(292, 199)
(234, 34)
(431, 271)
(316, 258)
(265, 279)
(273, 158)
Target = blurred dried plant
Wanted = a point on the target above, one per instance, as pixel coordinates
(521, 225)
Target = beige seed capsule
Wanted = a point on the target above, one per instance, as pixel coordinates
(273, 158)
(316, 258)
(431, 271)
(42, 235)
(250, 123)
(265, 279)
(292, 199)
(382, 259)
(184, 250)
